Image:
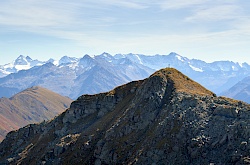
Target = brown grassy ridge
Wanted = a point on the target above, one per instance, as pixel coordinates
(32, 105)
(181, 82)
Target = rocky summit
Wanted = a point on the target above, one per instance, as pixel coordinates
(165, 119)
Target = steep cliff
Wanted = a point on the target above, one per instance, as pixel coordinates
(164, 119)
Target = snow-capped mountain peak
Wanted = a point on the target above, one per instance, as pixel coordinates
(51, 60)
(28, 58)
(22, 60)
(67, 60)
(105, 56)
(178, 57)
(21, 63)
(86, 61)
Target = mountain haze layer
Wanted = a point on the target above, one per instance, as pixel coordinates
(240, 91)
(73, 77)
(32, 105)
(165, 119)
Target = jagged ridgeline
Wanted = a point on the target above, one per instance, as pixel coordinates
(165, 119)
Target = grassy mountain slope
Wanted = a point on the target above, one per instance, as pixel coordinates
(32, 105)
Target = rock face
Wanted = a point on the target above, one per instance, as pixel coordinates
(164, 119)
(32, 105)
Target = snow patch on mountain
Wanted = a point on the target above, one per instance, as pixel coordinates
(4, 73)
(179, 58)
(140, 61)
(22, 67)
(196, 69)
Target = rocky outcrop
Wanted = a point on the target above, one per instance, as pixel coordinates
(165, 119)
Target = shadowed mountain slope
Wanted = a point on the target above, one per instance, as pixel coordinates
(32, 105)
(164, 119)
(240, 91)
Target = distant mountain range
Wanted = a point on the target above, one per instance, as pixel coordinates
(166, 118)
(73, 77)
(21, 63)
(240, 91)
(32, 105)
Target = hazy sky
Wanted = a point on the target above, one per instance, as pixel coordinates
(201, 29)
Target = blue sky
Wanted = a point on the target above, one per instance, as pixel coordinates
(201, 29)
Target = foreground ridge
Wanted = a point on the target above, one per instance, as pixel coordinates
(164, 119)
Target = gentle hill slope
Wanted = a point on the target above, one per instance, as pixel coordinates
(32, 105)
(164, 119)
